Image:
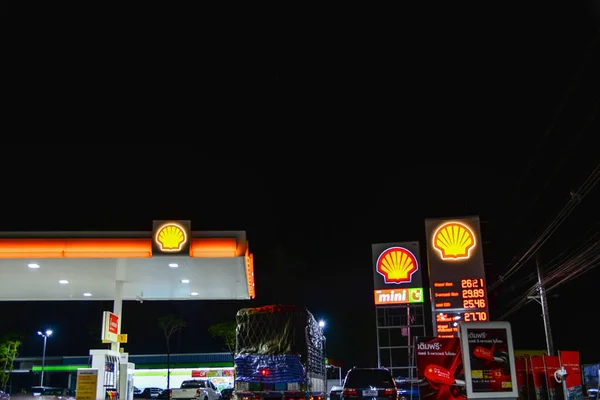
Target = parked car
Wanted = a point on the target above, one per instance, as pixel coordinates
(407, 389)
(164, 395)
(57, 394)
(226, 394)
(201, 389)
(369, 383)
(336, 392)
(4, 395)
(37, 390)
(148, 393)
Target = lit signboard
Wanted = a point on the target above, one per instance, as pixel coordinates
(171, 238)
(456, 273)
(397, 273)
(398, 296)
(446, 324)
(489, 360)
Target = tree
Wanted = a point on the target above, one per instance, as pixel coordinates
(226, 331)
(170, 324)
(9, 350)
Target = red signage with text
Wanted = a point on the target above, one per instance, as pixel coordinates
(440, 368)
(539, 377)
(570, 360)
(555, 389)
(113, 324)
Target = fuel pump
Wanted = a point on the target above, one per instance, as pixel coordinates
(126, 370)
(107, 363)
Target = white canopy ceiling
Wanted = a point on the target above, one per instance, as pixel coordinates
(144, 278)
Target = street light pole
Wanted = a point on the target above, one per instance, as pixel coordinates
(43, 361)
(322, 326)
(45, 336)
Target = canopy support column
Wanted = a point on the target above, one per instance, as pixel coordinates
(118, 300)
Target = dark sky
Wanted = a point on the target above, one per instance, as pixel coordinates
(317, 141)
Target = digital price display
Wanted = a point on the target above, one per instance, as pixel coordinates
(456, 274)
(469, 293)
(446, 324)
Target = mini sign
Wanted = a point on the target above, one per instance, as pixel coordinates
(398, 296)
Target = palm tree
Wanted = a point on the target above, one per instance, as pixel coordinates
(170, 324)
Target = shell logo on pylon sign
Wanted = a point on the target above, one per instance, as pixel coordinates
(454, 241)
(171, 237)
(397, 265)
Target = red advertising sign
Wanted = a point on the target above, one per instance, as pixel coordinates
(198, 374)
(555, 390)
(110, 327)
(440, 368)
(521, 367)
(489, 360)
(530, 384)
(570, 360)
(539, 377)
(113, 324)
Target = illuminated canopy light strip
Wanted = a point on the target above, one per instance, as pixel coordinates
(250, 275)
(456, 238)
(214, 248)
(75, 248)
(109, 248)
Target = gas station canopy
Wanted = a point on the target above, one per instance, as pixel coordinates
(170, 263)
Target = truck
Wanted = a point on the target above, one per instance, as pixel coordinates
(197, 389)
(279, 354)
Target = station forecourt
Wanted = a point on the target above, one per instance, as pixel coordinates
(169, 262)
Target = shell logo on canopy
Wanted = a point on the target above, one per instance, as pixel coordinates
(454, 241)
(397, 265)
(171, 237)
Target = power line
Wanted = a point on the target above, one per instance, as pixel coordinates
(563, 103)
(569, 270)
(555, 269)
(574, 200)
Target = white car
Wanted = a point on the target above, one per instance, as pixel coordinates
(197, 389)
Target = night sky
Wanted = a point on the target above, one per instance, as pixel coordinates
(318, 145)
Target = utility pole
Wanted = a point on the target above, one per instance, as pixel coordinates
(544, 304)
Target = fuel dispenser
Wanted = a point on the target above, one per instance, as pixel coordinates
(126, 370)
(107, 363)
(115, 375)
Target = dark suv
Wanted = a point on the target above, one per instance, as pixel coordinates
(369, 384)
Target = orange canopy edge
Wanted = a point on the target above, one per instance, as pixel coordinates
(76, 248)
(110, 248)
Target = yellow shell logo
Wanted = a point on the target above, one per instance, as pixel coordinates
(171, 237)
(454, 241)
(397, 265)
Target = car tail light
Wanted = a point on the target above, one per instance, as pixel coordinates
(170, 393)
(350, 392)
(198, 391)
(389, 392)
